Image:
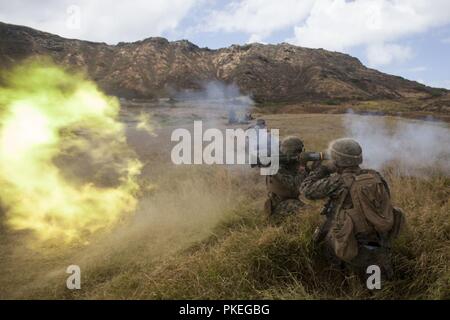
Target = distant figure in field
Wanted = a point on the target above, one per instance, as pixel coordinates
(232, 118)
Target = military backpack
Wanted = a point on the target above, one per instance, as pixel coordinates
(371, 215)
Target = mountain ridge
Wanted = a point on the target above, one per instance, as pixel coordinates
(156, 67)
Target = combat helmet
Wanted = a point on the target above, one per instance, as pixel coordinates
(291, 146)
(346, 152)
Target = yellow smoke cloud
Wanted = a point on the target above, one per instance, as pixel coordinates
(65, 168)
(144, 123)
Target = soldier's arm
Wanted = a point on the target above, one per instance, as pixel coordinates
(319, 184)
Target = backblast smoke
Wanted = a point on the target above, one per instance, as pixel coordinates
(65, 168)
(410, 146)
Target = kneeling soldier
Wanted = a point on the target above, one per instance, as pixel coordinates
(361, 221)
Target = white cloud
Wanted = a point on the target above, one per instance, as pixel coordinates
(256, 38)
(445, 84)
(100, 20)
(340, 24)
(446, 40)
(336, 24)
(258, 18)
(379, 26)
(383, 54)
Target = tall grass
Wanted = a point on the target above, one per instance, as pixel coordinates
(202, 234)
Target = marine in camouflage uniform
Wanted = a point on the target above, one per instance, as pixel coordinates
(327, 182)
(283, 187)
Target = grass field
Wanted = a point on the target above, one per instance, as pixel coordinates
(201, 234)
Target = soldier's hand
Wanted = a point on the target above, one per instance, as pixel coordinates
(331, 166)
(326, 169)
(303, 158)
(321, 171)
(316, 164)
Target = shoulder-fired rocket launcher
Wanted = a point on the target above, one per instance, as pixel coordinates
(302, 157)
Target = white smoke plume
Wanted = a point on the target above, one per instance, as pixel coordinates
(216, 96)
(412, 147)
(218, 105)
(216, 93)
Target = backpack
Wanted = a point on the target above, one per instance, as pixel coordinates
(371, 216)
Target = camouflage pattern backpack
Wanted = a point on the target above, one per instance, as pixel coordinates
(370, 216)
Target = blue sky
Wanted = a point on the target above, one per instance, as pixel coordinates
(410, 38)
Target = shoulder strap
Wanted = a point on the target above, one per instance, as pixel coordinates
(348, 182)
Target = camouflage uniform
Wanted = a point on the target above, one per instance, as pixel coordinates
(283, 187)
(372, 249)
(283, 190)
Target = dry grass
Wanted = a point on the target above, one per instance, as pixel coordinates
(202, 234)
(407, 108)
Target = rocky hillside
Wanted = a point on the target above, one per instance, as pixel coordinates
(155, 67)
